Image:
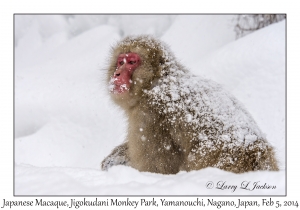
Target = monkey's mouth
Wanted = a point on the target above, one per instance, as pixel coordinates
(116, 87)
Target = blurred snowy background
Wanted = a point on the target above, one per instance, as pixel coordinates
(65, 123)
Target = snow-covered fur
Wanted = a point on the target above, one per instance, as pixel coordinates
(178, 121)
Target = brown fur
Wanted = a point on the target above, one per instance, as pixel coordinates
(157, 143)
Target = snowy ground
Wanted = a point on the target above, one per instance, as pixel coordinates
(65, 123)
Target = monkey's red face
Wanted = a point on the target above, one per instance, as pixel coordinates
(126, 64)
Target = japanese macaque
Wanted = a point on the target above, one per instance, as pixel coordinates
(177, 121)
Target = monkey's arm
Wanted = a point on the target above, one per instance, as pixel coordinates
(119, 156)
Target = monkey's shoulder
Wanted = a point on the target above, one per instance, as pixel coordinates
(202, 106)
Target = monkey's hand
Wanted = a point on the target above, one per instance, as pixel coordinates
(119, 156)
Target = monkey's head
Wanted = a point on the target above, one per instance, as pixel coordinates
(136, 64)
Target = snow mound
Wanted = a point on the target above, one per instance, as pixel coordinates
(122, 180)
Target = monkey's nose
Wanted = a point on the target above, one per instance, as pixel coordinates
(118, 72)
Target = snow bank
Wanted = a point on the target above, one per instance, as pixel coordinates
(193, 36)
(61, 106)
(122, 180)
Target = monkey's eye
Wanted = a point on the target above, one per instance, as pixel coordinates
(132, 62)
(121, 63)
